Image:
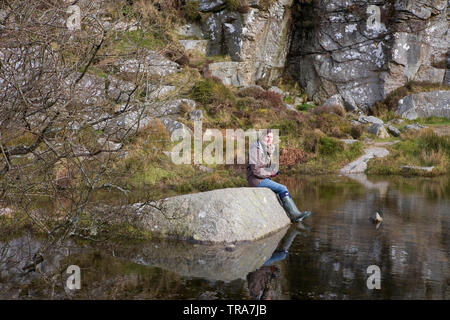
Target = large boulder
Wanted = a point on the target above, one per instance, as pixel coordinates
(224, 215)
(425, 104)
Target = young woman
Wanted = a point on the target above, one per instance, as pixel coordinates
(260, 171)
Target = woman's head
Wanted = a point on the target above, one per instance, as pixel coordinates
(267, 136)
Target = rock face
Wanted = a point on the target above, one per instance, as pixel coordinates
(425, 104)
(224, 215)
(355, 52)
(195, 45)
(152, 63)
(257, 41)
(338, 47)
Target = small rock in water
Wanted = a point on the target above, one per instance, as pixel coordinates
(376, 217)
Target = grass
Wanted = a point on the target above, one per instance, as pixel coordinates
(304, 107)
(331, 155)
(424, 148)
(432, 121)
(139, 39)
(387, 107)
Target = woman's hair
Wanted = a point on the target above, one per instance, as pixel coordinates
(264, 132)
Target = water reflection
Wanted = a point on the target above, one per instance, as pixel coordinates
(264, 283)
(327, 259)
(411, 246)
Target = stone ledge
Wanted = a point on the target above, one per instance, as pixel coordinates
(218, 216)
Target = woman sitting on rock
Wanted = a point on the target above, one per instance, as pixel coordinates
(260, 171)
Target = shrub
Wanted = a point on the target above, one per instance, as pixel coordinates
(267, 99)
(210, 91)
(378, 109)
(311, 140)
(336, 109)
(203, 91)
(191, 11)
(304, 107)
(253, 92)
(291, 156)
(393, 98)
(238, 5)
(356, 132)
(247, 103)
(430, 141)
(273, 98)
(329, 146)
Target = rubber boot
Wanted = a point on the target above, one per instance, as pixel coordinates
(291, 209)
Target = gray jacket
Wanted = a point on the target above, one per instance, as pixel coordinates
(259, 165)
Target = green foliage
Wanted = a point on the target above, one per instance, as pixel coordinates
(208, 91)
(237, 5)
(288, 99)
(329, 146)
(203, 91)
(424, 148)
(430, 141)
(356, 132)
(191, 11)
(285, 126)
(140, 39)
(430, 121)
(304, 107)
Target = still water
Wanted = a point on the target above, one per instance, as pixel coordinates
(327, 256)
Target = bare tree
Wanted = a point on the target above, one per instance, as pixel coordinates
(63, 121)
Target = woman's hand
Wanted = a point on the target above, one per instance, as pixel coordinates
(275, 174)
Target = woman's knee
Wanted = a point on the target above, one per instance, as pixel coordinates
(282, 189)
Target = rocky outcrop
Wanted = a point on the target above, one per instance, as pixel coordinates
(224, 215)
(425, 104)
(337, 49)
(355, 52)
(257, 41)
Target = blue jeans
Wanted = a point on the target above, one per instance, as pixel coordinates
(276, 187)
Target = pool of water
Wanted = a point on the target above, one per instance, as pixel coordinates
(327, 256)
